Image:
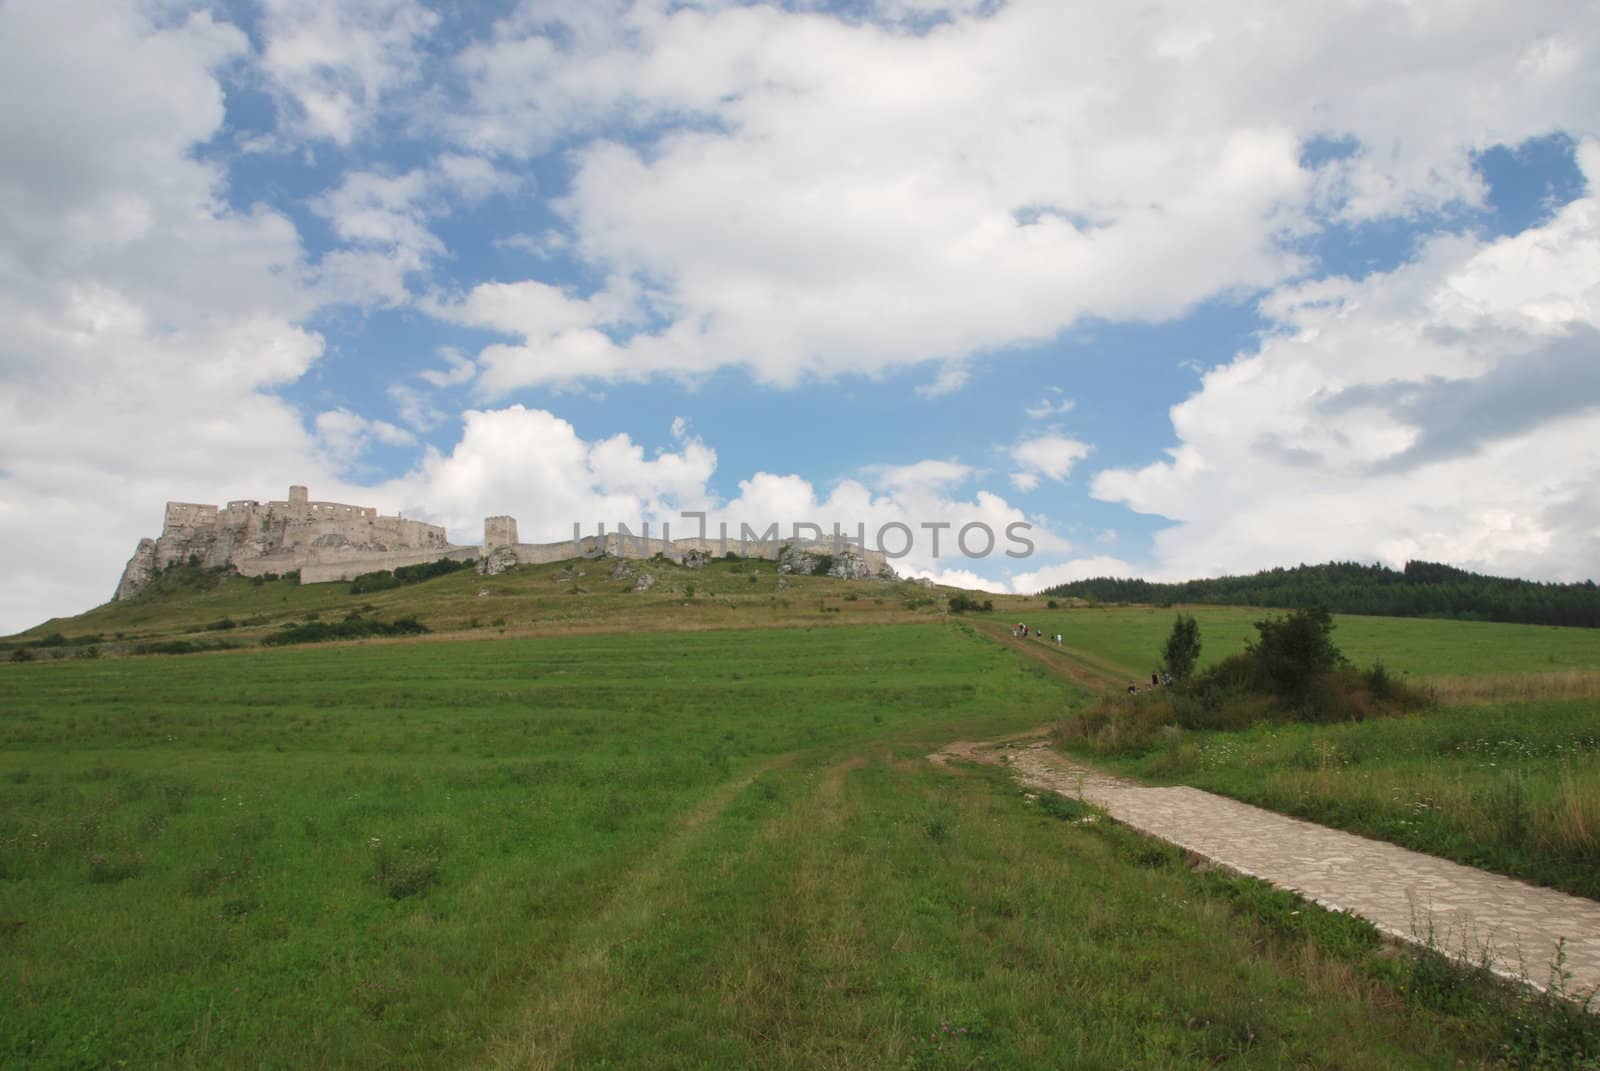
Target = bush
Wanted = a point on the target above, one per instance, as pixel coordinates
(1292, 651)
(222, 626)
(1182, 649)
(961, 602)
(385, 579)
(174, 647)
(367, 583)
(324, 631)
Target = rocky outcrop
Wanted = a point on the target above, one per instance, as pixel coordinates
(696, 559)
(850, 566)
(497, 561)
(137, 573)
(792, 561)
(280, 537)
(621, 570)
(645, 582)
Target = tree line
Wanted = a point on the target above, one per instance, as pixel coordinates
(1421, 589)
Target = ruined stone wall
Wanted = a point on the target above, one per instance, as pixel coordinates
(277, 537)
(188, 515)
(331, 568)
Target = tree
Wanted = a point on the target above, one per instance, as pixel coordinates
(1183, 647)
(1293, 650)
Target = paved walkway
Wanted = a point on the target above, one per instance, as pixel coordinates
(1404, 893)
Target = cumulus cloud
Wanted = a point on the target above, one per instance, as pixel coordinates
(537, 467)
(1054, 403)
(333, 62)
(802, 194)
(345, 436)
(146, 322)
(1051, 456)
(383, 223)
(1448, 410)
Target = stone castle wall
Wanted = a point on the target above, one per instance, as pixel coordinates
(333, 541)
(275, 537)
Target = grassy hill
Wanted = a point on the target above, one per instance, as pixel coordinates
(1421, 589)
(213, 608)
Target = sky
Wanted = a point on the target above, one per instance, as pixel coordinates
(1190, 289)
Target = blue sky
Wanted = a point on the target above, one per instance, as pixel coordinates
(1117, 274)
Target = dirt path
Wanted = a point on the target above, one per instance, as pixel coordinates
(1470, 914)
(1080, 668)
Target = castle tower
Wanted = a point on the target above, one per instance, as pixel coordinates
(299, 502)
(499, 531)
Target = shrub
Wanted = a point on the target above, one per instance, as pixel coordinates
(222, 626)
(367, 583)
(323, 631)
(961, 602)
(1182, 649)
(174, 647)
(1293, 650)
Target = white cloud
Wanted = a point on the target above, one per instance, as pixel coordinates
(1074, 569)
(345, 436)
(146, 322)
(383, 223)
(1049, 406)
(1449, 410)
(1051, 455)
(459, 369)
(951, 378)
(961, 578)
(1025, 481)
(536, 466)
(333, 62)
(849, 197)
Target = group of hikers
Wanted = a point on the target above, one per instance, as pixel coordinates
(1021, 631)
(1157, 680)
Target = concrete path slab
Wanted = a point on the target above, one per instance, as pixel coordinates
(1473, 915)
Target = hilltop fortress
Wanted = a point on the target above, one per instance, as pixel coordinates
(330, 541)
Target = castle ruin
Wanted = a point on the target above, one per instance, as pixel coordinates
(331, 541)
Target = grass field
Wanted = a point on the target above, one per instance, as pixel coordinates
(1127, 640)
(703, 849)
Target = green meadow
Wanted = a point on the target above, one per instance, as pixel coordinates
(1127, 640)
(698, 849)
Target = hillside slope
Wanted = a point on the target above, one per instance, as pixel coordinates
(1422, 589)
